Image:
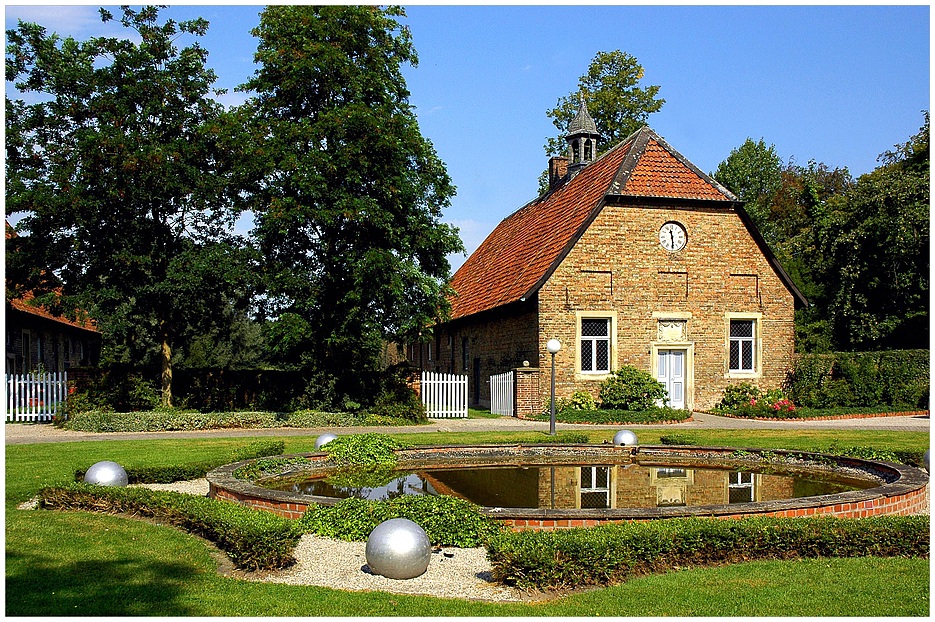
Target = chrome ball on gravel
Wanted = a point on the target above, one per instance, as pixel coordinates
(398, 549)
(324, 439)
(625, 437)
(106, 473)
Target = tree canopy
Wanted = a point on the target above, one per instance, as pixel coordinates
(614, 98)
(858, 250)
(120, 167)
(349, 196)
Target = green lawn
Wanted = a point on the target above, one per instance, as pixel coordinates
(61, 563)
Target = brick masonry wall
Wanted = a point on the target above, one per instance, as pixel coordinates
(497, 342)
(619, 266)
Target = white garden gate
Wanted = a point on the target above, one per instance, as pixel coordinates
(501, 394)
(37, 396)
(445, 396)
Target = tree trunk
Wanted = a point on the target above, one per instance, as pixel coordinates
(166, 365)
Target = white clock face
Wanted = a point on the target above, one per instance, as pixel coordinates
(672, 236)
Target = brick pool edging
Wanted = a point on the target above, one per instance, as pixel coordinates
(905, 492)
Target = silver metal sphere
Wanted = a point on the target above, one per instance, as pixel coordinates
(106, 473)
(925, 461)
(398, 549)
(324, 439)
(625, 437)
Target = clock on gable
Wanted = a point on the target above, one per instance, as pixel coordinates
(672, 236)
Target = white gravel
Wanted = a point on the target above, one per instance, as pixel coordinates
(452, 572)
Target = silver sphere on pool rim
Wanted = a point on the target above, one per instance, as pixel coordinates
(106, 473)
(324, 439)
(398, 549)
(625, 437)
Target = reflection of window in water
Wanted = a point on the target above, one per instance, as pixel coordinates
(740, 487)
(595, 487)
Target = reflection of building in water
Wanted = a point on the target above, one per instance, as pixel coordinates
(634, 486)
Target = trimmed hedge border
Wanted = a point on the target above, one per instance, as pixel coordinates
(793, 417)
(613, 417)
(609, 554)
(253, 539)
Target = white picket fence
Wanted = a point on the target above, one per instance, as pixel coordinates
(37, 396)
(501, 394)
(445, 396)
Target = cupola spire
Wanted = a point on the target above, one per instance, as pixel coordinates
(582, 138)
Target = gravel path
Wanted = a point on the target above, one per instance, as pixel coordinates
(452, 572)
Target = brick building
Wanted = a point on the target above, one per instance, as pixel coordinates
(39, 339)
(635, 258)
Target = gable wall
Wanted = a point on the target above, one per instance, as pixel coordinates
(618, 266)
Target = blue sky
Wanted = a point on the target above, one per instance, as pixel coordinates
(835, 84)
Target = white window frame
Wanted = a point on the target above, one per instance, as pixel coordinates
(611, 316)
(756, 371)
(594, 488)
(745, 481)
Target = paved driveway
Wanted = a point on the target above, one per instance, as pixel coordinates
(20, 433)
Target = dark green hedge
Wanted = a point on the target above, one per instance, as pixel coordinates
(253, 539)
(897, 378)
(570, 558)
(621, 417)
(166, 474)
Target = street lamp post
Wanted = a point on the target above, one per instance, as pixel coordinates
(553, 346)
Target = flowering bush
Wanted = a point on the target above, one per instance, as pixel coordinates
(746, 400)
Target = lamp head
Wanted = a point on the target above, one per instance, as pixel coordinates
(553, 346)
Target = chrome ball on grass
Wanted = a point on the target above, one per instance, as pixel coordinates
(106, 473)
(625, 437)
(398, 549)
(324, 439)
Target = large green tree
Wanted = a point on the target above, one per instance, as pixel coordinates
(350, 194)
(120, 164)
(753, 172)
(614, 98)
(875, 240)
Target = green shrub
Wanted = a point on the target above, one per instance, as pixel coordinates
(898, 378)
(363, 449)
(631, 389)
(571, 558)
(253, 539)
(447, 521)
(580, 400)
(396, 399)
(653, 414)
(265, 467)
(170, 420)
(678, 439)
(746, 400)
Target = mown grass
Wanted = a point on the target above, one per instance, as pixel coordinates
(78, 563)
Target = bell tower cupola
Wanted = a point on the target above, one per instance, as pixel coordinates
(582, 139)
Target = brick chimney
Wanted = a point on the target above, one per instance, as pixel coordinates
(558, 168)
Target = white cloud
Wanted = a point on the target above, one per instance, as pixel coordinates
(72, 20)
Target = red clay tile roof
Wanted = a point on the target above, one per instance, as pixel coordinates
(523, 250)
(26, 305)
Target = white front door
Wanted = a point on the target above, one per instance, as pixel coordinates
(671, 373)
